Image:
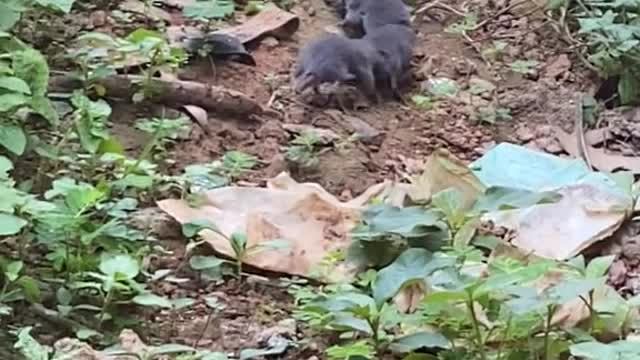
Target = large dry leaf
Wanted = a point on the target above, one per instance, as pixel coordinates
(443, 171)
(599, 158)
(563, 229)
(312, 220)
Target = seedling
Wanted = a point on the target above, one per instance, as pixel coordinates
(303, 150)
(238, 242)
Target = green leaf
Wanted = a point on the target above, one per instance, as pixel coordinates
(213, 356)
(10, 224)
(30, 289)
(556, 4)
(29, 347)
(445, 297)
(628, 88)
(504, 198)
(212, 9)
(14, 84)
(347, 321)
(12, 137)
(134, 181)
(192, 228)
(406, 222)
(571, 289)
(110, 145)
(43, 107)
(419, 340)
(5, 166)
(598, 267)
(619, 350)
(199, 262)
(13, 270)
(31, 66)
(415, 264)
(58, 5)
(182, 303)
(443, 87)
(11, 101)
(119, 264)
(8, 17)
(150, 299)
(360, 350)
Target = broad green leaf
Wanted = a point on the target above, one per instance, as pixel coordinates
(556, 4)
(58, 5)
(110, 145)
(571, 289)
(598, 267)
(30, 289)
(504, 198)
(14, 84)
(420, 356)
(619, 350)
(443, 87)
(13, 270)
(192, 228)
(150, 299)
(134, 181)
(415, 264)
(407, 222)
(466, 233)
(423, 339)
(521, 276)
(443, 297)
(29, 347)
(347, 321)
(212, 9)
(628, 88)
(199, 262)
(43, 107)
(10, 224)
(31, 66)
(12, 137)
(5, 166)
(8, 17)
(119, 264)
(360, 350)
(11, 101)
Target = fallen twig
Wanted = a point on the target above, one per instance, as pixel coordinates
(502, 12)
(173, 93)
(438, 5)
(579, 131)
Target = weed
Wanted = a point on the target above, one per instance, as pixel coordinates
(303, 150)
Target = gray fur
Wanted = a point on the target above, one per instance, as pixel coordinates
(394, 44)
(333, 58)
(363, 16)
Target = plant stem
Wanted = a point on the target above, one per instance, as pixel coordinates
(476, 326)
(547, 330)
(105, 305)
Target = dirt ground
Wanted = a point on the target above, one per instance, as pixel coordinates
(398, 139)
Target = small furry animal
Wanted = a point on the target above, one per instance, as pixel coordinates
(362, 16)
(336, 59)
(394, 44)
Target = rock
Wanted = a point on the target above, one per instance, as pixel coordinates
(557, 66)
(270, 42)
(286, 328)
(156, 221)
(524, 134)
(98, 18)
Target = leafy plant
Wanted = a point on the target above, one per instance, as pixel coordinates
(15, 286)
(525, 67)
(238, 242)
(209, 9)
(303, 150)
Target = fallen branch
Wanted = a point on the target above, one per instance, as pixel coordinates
(174, 93)
(438, 5)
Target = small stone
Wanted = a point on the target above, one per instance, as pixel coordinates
(524, 134)
(270, 42)
(98, 18)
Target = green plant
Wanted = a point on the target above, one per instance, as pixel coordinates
(525, 67)
(303, 150)
(15, 287)
(422, 102)
(238, 242)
